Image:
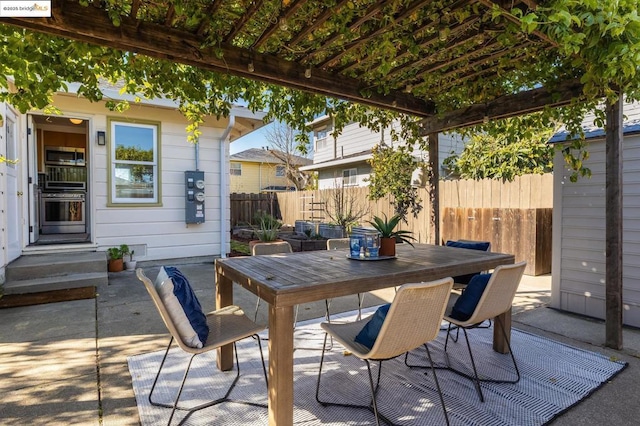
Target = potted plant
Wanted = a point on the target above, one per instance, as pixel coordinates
(389, 235)
(130, 264)
(115, 263)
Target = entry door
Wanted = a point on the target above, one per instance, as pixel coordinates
(14, 204)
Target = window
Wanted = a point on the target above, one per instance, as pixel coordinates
(134, 163)
(236, 169)
(349, 177)
(321, 139)
(280, 171)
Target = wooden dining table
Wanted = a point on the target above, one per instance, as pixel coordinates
(286, 280)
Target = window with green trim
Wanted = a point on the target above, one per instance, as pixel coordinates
(134, 163)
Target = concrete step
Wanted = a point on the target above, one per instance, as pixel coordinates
(59, 282)
(55, 265)
(46, 278)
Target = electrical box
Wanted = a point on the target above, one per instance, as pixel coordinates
(194, 196)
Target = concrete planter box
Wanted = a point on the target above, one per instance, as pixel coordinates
(300, 244)
(330, 231)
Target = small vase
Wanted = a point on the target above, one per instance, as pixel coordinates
(387, 246)
(130, 265)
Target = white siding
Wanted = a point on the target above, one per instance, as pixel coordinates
(157, 232)
(579, 235)
(356, 140)
(332, 178)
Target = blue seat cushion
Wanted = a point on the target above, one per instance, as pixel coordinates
(369, 333)
(187, 299)
(475, 245)
(468, 300)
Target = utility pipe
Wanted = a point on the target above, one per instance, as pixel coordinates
(224, 187)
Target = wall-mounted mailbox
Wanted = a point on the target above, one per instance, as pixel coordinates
(194, 196)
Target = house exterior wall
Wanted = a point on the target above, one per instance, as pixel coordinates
(356, 140)
(353, 139)
(255, 177)
(153, 231)
(578, 271)
(332, 178)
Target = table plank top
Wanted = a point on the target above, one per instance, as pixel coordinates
(301, 277)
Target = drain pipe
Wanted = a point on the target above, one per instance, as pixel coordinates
(224, 187)
(197, 153)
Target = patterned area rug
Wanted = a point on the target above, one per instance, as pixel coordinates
(554, 378)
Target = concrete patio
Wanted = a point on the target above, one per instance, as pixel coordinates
(66, 363)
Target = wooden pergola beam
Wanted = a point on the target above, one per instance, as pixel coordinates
(613, 225)
(504, 107)
(73, 22)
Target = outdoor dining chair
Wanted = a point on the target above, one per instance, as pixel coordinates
(494, 300)
(275, 247)
(226, 326)
(419, 303)
(338, 244)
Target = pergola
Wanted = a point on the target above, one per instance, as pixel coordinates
(407, 56)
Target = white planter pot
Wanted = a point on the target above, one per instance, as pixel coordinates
(130, 265)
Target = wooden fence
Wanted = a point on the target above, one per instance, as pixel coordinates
(244, 206)
(524, 204)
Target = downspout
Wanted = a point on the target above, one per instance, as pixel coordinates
(224, 187)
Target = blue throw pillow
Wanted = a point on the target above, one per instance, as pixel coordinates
(190, 304)
(468, 300)
(371, 329)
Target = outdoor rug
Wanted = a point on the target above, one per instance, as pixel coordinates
(554, 378)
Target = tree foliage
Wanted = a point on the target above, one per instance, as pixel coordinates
(517, 147)
(596, 41)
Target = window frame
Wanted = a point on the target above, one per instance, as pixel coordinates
(281, 171)
(115, 201)
(321, 142)
(233, 169)
(353, 176)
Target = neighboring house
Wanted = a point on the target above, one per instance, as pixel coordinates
(344, 160)
(90, 179)
(578, 266)
(257, 170)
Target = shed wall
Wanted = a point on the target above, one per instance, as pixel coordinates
(579, 235)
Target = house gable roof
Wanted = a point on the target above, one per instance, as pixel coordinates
(258, 155)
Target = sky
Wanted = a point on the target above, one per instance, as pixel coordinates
(255, 139)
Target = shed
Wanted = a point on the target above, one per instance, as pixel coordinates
(578, 271)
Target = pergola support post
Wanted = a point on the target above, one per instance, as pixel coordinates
(434, 178)
(613, 218)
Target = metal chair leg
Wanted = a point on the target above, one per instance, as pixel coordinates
(374, 389)
(475, 378)
(435, 379)
(190, 410)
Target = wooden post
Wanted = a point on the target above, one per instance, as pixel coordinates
(613, 219)
(434, 178)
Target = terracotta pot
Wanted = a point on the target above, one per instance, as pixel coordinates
(115, 265)
(387, 246)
